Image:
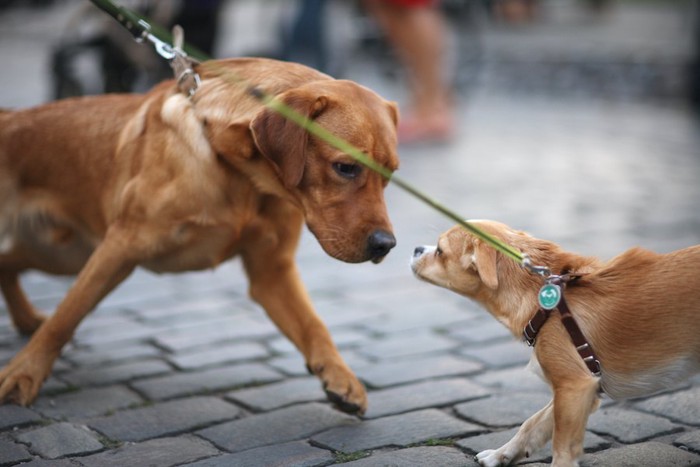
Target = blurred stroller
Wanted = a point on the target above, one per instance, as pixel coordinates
(96, 55)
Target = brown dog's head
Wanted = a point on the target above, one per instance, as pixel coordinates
(343, 201)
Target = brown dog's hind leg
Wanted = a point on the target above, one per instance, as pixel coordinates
(25, 317)
(110, 263)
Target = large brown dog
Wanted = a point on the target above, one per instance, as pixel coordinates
(640, 312)
(98, 186)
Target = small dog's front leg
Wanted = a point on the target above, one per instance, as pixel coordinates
(531, 436)
(573, 403)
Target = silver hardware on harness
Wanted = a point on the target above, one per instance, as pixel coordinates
(543, 271)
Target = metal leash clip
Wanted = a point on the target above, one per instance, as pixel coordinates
(543, 271)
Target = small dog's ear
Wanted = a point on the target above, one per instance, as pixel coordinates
(282, 141)
(485, 260)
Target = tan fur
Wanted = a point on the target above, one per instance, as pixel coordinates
(98, 186)
(640, 312)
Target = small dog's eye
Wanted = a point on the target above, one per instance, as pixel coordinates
(438, 251)
(348, 171)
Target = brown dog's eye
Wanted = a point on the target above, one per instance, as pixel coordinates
(348, 171)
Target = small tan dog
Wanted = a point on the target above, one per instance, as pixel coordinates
(640, 312)
(99, 186)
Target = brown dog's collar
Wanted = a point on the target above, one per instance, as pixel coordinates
(583, 348)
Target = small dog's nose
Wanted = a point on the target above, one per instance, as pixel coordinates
(418, 251)
(379, 243)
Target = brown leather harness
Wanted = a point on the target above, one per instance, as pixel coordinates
(533, 327)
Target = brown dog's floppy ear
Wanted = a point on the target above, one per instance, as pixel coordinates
(230, 141)
(485, 261)
(282, 141)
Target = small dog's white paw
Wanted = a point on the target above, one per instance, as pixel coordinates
(492, 458)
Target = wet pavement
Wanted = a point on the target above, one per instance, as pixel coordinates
(186, 370)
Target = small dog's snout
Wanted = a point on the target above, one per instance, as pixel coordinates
(379, 243)
(418, 251)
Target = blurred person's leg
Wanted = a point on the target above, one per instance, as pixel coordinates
(305, 42)
(416, 29)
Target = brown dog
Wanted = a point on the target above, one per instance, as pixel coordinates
(640, 312)
(98, 186)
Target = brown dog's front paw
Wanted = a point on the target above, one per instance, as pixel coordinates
(342, 387)
(21, 380)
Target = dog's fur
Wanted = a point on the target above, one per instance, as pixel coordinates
(639, 311)
(98, 186)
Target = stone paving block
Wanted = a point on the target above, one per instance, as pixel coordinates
(15, 416)
(297, 454)
(192, 360)
(398, 430)
(415, 369)
(432, 393)
(442, 456)
(512, 379)
(476, 444)
(87, 402)
(163, 419)
(61, 439)
(689, 440)
(503, 410)
(406, 345)
(342, 338)
(500, 354)
(49, 463)
(161, 452)
(276, 395)
(105, 354)
(210, 333)
(53, 386)
(196, 382)
(12, 453)
(649, 454)
(683, 406)
(122, 334)
(110, 374)
(629, 426)
(480, 331)
(422, 315)
(291, 423)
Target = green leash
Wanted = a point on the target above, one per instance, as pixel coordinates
(161, 39)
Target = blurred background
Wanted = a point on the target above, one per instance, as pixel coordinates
(610, 49)
(573, 119)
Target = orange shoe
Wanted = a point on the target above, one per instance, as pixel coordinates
(437, 129)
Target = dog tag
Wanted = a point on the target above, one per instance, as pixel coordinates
(549, 296)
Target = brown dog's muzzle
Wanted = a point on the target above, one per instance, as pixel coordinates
(379, 243)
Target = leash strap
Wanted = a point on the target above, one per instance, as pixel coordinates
(534, 326)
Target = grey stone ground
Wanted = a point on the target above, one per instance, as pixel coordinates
(185, 370)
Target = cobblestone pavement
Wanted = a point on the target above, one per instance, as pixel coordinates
(186, 370)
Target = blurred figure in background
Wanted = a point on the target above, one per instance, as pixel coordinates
(416, 29)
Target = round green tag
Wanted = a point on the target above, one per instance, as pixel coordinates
(549, 296)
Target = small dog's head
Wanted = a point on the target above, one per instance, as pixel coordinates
(467, 265)
(460, 261)
(343, 201)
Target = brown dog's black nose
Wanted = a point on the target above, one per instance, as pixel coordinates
(379, 243)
